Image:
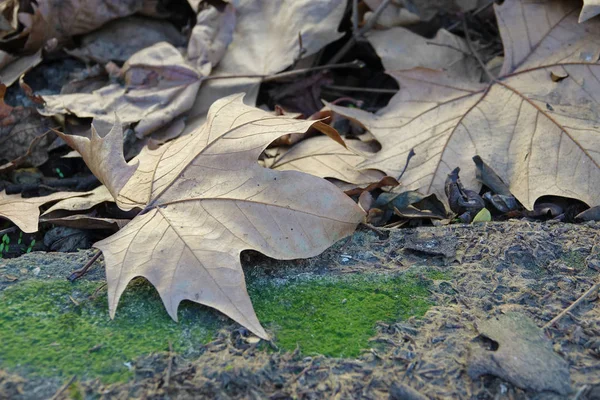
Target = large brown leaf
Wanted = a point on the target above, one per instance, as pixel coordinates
(206, 200)
(540, 133)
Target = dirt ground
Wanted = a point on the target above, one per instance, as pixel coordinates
(494, 269)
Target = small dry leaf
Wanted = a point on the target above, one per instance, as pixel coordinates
(206, 200)
(95, 197)
(320, 156)
(541, 137)
(210, 37)
(25, 212)
(84, 221)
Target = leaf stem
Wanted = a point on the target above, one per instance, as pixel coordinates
(290, 74)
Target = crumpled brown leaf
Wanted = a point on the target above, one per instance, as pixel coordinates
(210, 37)
(206, 199)
(256, 50)
(540, 136)
(159, 86)
(43, 20)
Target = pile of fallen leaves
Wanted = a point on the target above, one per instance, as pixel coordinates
(490, 122)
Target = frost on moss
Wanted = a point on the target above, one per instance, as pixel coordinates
(55, 328)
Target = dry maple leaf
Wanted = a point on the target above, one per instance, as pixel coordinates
(25, 213)
(540, 133)
(206, 200)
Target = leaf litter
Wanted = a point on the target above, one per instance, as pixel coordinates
(550, 74)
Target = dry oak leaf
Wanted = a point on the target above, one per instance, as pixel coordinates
(321, 156)
(206, 200)
(25, 213)
(541, 137)
(265, 41)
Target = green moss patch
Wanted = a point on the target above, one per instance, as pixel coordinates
(337, 316)
(55, 328)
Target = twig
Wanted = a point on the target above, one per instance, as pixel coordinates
(82, 271)
(491, 77)
(380, 232)
(359, 89)
(19, 160)
(290, 74)
(305, 370)
(573, 305)
(63, 388)
(367, 27)
(99, 288)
